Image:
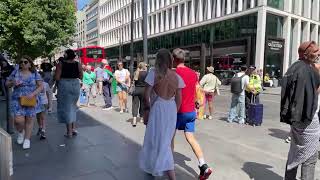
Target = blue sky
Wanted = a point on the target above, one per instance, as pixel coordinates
(82, 3)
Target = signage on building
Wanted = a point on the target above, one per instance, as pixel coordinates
(275, 45)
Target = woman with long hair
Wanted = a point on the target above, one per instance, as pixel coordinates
(122, 76)
(162, 100)
(68, 74)
(27, 84)
(137, 96)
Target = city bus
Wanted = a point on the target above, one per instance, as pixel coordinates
(91, 55)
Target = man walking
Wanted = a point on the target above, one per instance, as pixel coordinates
(107, 86)
(187, 114)
(89, 86)
(300, 109)
(238, 84)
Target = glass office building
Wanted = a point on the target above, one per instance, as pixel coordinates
(222, 33)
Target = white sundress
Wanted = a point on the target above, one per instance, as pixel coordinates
(156, 155)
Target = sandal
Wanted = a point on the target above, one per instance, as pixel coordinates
(75, 133)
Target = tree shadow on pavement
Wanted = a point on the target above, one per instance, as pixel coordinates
(98, 152)
(278, 133)
(259, 171)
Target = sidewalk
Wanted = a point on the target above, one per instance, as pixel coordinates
(97, 153)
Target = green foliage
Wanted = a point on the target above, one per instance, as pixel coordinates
(35, 27)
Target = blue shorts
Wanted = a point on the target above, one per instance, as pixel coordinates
(186, 121)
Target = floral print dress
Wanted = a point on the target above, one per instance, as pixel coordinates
(28, 86)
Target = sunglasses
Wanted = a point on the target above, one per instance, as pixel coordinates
(24, 62)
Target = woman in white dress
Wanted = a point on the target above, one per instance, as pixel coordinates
(162, 99)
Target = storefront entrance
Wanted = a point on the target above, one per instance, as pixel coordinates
(274, 55)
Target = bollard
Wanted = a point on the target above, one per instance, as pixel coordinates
(6, 159)
(3, 112)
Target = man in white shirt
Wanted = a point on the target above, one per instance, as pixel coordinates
(237, 109)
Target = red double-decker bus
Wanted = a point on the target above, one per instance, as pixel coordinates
(91, 55)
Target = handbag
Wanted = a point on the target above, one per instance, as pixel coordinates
(28, 102)
(132, 89)
(83, 97)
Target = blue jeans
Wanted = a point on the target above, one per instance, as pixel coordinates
(237, 109)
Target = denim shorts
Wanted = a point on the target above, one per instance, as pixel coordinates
(186, 121)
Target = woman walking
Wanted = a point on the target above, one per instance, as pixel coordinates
(68, 73)
(27, 84)
(162, 100)
(210, 85)
(137, 96)
(122, 76)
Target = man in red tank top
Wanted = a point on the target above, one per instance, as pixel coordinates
(187, 112)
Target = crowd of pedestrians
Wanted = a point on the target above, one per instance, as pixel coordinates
(166, 98)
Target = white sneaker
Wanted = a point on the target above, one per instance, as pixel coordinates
(210, 117)
(26, 144)
(20, 138)
(121, 112)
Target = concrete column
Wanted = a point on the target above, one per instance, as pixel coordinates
(307, 8)
(200, 10)
(157, 24)
(296, 39)
(209, 15)
(262, 2)
(179, 17)
(261, 36)
(315, 34)
(288, 6)
(229, 3)
(173, 22)
(233, 9)
(152, 24)
(148, 29)
(298, 7)
(287, 37)
(192, 18)
(316, 9)
(162, 4)
(157, 5)
(152, 6)
(252, 5)
(185, 17)
(161, 22)
(306, 32)
(166, 24)
(141, 8)
(149, 7)
(218, 8)
(240, 5)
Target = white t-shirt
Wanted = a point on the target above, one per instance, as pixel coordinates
(244, 82)
(122, 74)
(43, 94)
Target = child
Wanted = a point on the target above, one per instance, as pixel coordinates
(41, 115)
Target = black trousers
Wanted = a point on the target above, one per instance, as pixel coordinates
(249, 97)
(138, 101)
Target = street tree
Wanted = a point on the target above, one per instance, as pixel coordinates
(35, 27)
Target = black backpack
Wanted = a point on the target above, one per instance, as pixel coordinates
(236, 84)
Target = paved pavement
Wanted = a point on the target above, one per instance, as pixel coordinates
(107, 148)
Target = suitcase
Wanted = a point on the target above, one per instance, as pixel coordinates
(255, 113)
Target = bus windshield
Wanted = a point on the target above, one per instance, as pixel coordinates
(94, 53)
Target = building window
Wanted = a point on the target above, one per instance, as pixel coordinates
(205, 9)
(189, 12)
(279, 4)
(92, 24)
(176, 15)
(274, 26)
(170, 17)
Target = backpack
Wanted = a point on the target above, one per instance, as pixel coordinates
(236, 84)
